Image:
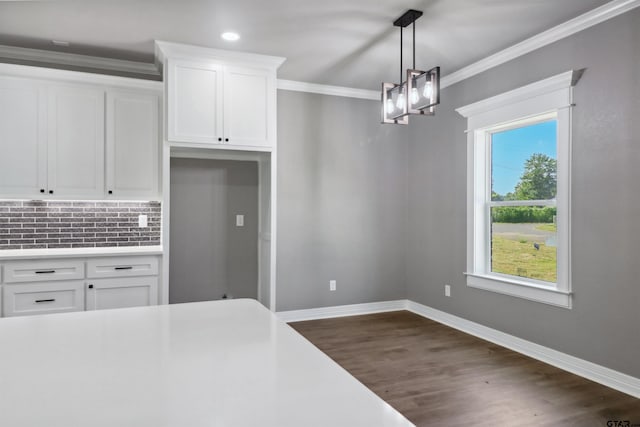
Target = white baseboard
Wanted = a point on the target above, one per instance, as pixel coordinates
(341, 311)
(605, 376)
(591, 371)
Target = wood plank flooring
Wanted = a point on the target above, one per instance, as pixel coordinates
(438, 376)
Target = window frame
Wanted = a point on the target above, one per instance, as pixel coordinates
(552, 97)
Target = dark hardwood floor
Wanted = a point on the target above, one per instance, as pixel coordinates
(438, 376)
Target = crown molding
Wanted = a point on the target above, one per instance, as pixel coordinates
(79, 61)
(166, 50)
(328, 90)
(29, 71)
(163, 49)
(566, 29)
(559, 32)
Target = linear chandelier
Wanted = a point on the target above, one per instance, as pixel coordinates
(419, 93)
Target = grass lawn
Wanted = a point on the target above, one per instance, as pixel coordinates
(520, 258)
(547, 227)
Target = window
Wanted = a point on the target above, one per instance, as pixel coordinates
(518, 191)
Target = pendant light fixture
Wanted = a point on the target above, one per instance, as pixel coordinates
(419, 93)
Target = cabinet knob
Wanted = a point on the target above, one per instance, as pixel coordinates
(226, 140)
(90, 286)
(50, 191)
(42, 190)
(219, 139)
(110, 191)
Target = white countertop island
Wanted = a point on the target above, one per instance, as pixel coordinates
(220, 363)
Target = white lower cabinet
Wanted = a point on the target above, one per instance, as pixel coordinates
(122, 292)
(42, 298)
(64, 285)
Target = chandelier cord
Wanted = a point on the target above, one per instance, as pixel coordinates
(414, 45)
(400, 56)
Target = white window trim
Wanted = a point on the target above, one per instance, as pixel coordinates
(554, 96)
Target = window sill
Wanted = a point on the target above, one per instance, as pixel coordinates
(520, 289)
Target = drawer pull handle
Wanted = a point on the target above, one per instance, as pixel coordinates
(123, 268)
(45, 271)
(45, 300)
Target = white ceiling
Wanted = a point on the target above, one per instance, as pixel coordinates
(340, 42)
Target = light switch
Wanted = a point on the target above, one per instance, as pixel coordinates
(239, 220)
(142, 221)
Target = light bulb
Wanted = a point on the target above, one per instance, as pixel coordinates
(428, 90)
(400, 100)
(390, 107)
(415, 97)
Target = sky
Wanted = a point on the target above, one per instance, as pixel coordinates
(511, 148)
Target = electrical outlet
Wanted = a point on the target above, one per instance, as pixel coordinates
(239, 220)
(142, 221)
(447, 290)
(332, 285)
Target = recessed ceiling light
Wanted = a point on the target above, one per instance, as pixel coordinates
(230, 36)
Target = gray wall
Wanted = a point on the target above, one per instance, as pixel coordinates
(603, 325)
(342, 202)
(210, 256)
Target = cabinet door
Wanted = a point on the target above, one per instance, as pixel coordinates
(76, 142)
(132, 145)
(23, 149)
(249, 106)
(122, 292)
(194, 109)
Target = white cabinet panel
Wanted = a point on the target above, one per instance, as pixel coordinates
(76, 142)
(194, 102)
(122, 266)
(132, 145)
(246, 103)
(122, 292)
(43, 298)
(43, 271)
(23, 149)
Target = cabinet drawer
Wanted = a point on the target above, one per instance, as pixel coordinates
(43, 298)
(122, 267)
(40, 271)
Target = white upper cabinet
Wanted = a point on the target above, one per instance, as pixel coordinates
(221, 98)
(23, 144)
(61, 139)
(195, 102)
(75, 125)
(248, 105)
(132, 145)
